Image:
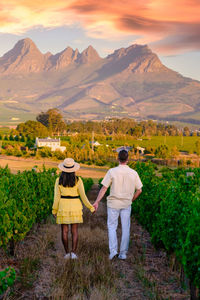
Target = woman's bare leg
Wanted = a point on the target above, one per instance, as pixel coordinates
(64, 236)
(74, 231)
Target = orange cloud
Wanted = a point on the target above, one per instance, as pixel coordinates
(172, 24)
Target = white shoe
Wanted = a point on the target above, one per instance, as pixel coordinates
(73, 256)
(112, 255)
(67, 256)
(122, 256)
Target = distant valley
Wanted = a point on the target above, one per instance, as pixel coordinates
(130, 82)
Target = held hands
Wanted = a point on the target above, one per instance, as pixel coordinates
(96, 205)
(99, 197)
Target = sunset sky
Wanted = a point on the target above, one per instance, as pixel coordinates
(171, 28)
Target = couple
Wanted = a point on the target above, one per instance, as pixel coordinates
(125, 186)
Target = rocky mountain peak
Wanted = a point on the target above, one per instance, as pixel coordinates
(24, 57)
(63, 58)
(69, 54)
(89, 55)
(136, 58)
(26, 44)
(23, 47)
(48, 54)
(132, 52)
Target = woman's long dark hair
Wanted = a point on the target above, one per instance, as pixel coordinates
(68, 179)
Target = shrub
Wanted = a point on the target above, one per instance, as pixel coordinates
(45, 152)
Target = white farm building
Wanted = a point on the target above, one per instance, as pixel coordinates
(54, 144)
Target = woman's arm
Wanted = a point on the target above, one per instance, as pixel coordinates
(56, 197)
(84, 198)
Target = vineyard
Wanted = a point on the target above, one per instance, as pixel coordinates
(25, 199)
(169, 208)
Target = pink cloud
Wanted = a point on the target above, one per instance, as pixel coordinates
(170, 25)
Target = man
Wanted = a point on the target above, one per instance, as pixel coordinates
(125, 187)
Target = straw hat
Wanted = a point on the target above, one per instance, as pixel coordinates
(69, 165)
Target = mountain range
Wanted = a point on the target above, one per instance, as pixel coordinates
(130, 82)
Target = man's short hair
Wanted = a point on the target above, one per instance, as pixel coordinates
(123, 156)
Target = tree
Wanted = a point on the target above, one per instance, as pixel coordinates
(32, 129)
(53, 120)
(22, 138)
(186, 131)
(16, 138)
(135, 131)
(162, 151)
(174, 152)
(11, 138)
(30, 143)
(45, 152)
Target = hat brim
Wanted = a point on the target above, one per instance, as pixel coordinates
(75, 168)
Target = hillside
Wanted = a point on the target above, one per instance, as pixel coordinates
(131, 82)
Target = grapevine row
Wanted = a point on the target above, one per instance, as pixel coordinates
(169, 208)
(25, 198)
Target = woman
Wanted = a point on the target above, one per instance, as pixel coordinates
(67, 207)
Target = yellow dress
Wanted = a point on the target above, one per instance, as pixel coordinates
(69, 211)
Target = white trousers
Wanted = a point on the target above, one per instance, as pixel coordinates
(112, 223)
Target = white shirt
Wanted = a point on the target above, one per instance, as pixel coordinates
(123, 182)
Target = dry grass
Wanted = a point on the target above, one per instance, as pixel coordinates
(152, 268)
(20, 164)
(28, 258)
(92, 272)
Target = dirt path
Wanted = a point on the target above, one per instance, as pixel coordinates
(144, 275)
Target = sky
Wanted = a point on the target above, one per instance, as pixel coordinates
(171, 28)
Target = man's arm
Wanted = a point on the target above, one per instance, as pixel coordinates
(137, 194)
(99, 197)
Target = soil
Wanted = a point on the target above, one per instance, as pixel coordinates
(16, 164)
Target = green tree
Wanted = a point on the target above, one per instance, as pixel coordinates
(11, 138)
(135, 131)
(16, 138)
(162, 151)
(32, 129)
(59, 154)
(30, 143)
(53, 120)
(45, 152)
(22, 138)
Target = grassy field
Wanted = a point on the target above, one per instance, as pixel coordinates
(4, 130)
(12, 117)
(185, 143)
